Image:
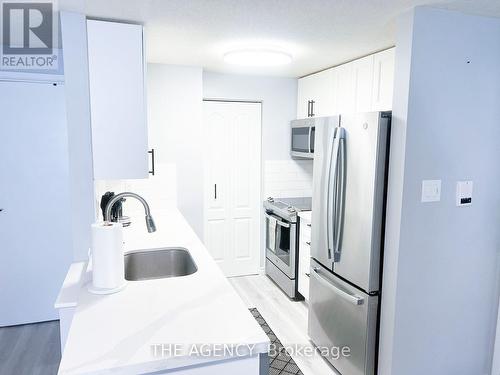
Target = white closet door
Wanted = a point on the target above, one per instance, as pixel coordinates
(35, 227)
(232, 185)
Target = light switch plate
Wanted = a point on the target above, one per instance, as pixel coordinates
(431, 190)
(464, 193)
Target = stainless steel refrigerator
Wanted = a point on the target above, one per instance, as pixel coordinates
(349, 180)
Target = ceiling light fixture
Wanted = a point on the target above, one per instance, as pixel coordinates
(257, 57)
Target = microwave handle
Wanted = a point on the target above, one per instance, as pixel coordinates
(309, 139)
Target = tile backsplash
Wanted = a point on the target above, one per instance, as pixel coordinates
(282, 178)
(288, 178)
(159, 191)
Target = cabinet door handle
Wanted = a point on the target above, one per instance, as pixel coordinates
(309, 225)
(308, 243)
(307, 274)
(215, 191)
(152, 152)
(312, 108)
(308, 108)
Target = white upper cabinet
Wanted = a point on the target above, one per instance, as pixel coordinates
(315, 97)
(117, 100)
(344, 88)
(383, 80)
(362, 85)
(303, 93)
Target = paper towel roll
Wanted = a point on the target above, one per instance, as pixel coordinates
(108, 274)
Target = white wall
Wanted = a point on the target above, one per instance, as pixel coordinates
(440, 287)
(174, 95)
(74, 31)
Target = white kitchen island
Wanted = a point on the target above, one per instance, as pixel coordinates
(139, 330)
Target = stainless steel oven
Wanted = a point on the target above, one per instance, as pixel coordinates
(302, 142)
(282, 241)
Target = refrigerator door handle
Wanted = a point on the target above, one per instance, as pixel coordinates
(340, 195)
(352, 298)
(329, 205)
(331, 202)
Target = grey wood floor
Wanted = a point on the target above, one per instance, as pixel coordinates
(288, 319)
(30, 349)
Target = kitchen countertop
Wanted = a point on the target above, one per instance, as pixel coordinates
(116, 333)
(68, 295)
(306, 215)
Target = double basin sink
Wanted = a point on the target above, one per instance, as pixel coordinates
(158, 264)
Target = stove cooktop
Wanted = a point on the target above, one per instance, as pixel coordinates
(298, 203)
(288, 208)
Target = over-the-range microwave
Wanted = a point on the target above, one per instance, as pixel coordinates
(302, 145)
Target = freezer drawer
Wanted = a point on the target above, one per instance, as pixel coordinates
(342, 316)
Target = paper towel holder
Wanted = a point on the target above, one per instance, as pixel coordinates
(107, 259)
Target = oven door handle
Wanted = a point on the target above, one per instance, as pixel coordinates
(278, 221)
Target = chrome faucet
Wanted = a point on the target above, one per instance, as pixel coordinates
(150, 224)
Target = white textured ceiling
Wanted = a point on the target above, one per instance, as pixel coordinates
(317, 33)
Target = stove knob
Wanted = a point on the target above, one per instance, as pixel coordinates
(291, 209)
(270, 199)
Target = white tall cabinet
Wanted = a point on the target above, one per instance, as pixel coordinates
(362, 81)
(345, 90)
(117, 100)
(361, 85)
(383, 79)
(35, 200)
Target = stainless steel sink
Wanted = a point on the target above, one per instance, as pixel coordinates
(158, 264)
